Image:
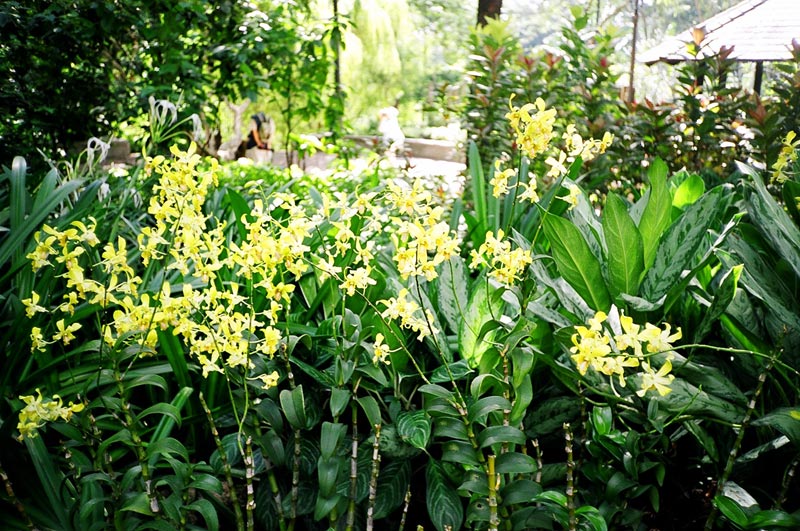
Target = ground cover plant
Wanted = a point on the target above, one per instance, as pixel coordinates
(188, 355)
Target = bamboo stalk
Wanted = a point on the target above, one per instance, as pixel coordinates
(406, 502)
(494, 521)
(573, 519)
(226, 467)
(351, 508)
(373, 479)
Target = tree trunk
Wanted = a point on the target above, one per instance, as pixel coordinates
(488, 9)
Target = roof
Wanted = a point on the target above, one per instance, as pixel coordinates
(758, 30)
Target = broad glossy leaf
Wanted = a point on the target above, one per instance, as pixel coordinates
(625, 248)
(520, 491)
(776, 225)
(483, 307)
(331, 438)
(731, 510)
(168, 446)
(576, 262)
(688, 399)
(206, 509)
(723, 296)
(773, 518)
(522, 399)
(656, 213)
(415, 428)
(683, 242)
(500, 434)
(515, 463)
(371, 409)
(444, 504)
(453, 295)
(457, 371)
(294, 407)
(460, 452)
(482, 407)
(393, 483)
(689, 191)
(785, 420)
(327, 474)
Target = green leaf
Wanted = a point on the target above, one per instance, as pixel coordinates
(785, 420)
(14, 242)
(330, 438)
(483, 307)
(50, 477)
(167, 446)
(169, 344)
(393, 482)
(500, 434)
(576, 263)
(460, 452)
(731, 510)
(656, 214)
(602, 420)
(478, 410)
(339, 400)
(206, 509)
(457, 370)
(371, 409)
(689, 400)
(550, 416)
(774, 518)
(138, 504)
(593, 516)
(324, 506)
(294, 408)
(681, 243)
(444, 505)
(523, 396)
(519, 491)
(515, 463)
(723, 296)
(166, 424)
(776, 226)
(479, 190)
(453, 295)
(689, 191)
(327, 474)
(436, 390)
(415, 428)
(625, 247)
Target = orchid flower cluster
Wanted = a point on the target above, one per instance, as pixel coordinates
(532, 125)
(784, 166)
(225, 297)
(632, 346)
(39, 410)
